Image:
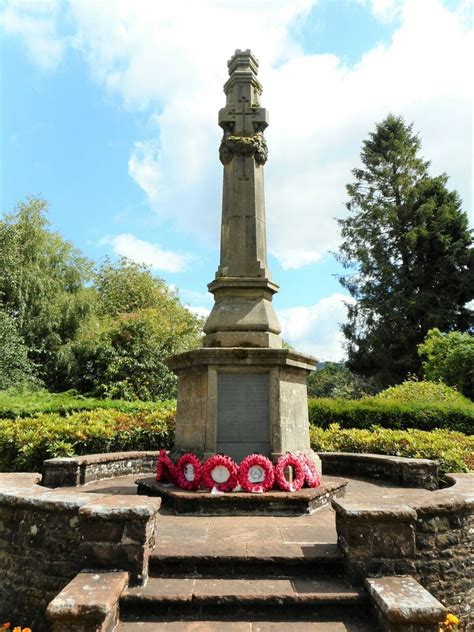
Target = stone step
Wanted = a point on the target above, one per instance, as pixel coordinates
(314, 560)
(245, 598)
(355, 624)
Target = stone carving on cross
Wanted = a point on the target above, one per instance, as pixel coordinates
(243, 118)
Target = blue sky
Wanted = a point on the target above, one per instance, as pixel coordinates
(109, 112)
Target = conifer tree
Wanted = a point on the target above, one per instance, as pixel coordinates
(407, 248)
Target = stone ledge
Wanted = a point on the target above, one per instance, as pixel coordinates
(373, 511)
(272, 503)
(121, 507)
(88, 602)
(421, 473)
(240, 357)
(78, 470)
(402, 600)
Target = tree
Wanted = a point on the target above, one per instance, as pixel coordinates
(41, 284)
(15, 367)
(407, 245)
(137, 323)
(450, 358)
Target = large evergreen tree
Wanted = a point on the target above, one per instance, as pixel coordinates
(407, 247)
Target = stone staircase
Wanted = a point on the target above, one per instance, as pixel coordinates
(256, 592)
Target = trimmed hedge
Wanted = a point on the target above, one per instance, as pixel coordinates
(367, 412)
(15, 403)
(26, 442)
(453, 450)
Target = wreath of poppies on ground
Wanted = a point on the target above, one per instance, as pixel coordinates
(189, 471)
(311, 476)
(289, 460)
(165, 468)
(214, 475)
(256, 474)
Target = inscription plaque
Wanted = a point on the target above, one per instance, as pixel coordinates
(243, 420)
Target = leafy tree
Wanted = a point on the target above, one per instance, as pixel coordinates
(335, 380)
(15, 367)
(120, 351)
(407, 245)
(450, 358)
(41, 284)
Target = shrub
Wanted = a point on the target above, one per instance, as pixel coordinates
(335, 380)
(453, 450)
(414, 391)
(26, 442)
(24, 403)
(449, 357)
(388, 413)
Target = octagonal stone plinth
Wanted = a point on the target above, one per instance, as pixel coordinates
(242, 400)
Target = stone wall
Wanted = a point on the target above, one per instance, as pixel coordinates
(403, 471)
(47, 536)
(430, 539)
(78, 470)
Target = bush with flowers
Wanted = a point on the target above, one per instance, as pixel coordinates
(8, 626)
(450, 624)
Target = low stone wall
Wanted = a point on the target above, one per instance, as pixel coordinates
(430, 539)
(78, 470)
(47, 536)
(406, 472)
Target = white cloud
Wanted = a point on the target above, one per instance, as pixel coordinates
(200, 311)
(144, 167)
(36, 23)
(142, 251)
(169, 59)
(316, 329)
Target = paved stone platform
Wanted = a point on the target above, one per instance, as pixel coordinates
(250, 536)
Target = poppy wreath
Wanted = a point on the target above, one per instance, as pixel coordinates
(165, 468)
(188, 471)
(289, 460)
(311, 476)
(220, 461)
(256, 474)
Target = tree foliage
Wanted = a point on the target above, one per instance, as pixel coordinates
(16, 369)
(106, 332)
(335, 380)
(450, 358)
(408, 248)
(42, 280)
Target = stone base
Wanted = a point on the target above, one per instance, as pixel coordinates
(272, 503)
(242, 400)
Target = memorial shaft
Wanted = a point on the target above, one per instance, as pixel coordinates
(243, 314)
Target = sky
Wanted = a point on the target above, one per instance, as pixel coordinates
(109, 112)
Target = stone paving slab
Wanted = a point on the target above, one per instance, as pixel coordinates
(244, 590)
(243, 626)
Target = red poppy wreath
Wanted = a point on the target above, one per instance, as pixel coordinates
(289, 460)
(256, 474)
(188, 471)
(165, 468)
(311, 476)
(220, 472)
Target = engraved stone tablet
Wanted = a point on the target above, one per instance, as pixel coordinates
(243, 414)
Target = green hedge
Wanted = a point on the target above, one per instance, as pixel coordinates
(26, 442)
(367, 412)
(15, 403)
(453, 450)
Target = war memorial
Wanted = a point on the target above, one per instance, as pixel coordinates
(113, 541)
